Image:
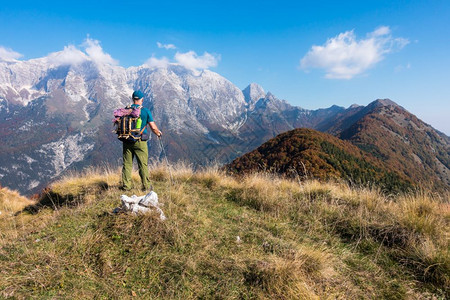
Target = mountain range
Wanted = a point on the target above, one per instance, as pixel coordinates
(56, 116)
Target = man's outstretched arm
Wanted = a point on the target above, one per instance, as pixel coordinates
(154, 128)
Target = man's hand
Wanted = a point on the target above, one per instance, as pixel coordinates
(155, 129)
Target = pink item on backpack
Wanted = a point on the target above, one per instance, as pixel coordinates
(120, 112)
(136, 112)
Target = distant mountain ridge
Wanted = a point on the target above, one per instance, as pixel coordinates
(307, 153)
(57, 116)
(397, 137)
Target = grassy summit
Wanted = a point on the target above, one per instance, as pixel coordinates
(258, 236)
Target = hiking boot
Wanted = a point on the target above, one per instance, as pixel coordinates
(123, 188)
(147, 190)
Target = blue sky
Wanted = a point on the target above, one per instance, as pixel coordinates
(312, 53)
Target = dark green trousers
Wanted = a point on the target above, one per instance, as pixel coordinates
(130, 151)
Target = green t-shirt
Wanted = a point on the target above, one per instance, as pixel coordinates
(146, 116)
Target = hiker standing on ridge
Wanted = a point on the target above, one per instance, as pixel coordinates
(138, 149)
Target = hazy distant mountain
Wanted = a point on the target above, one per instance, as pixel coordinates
(57, 116)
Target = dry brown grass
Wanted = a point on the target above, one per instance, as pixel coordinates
(414, 227)
(13, 223)
(12, 202)
(298, 240)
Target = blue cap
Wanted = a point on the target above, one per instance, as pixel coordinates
(137, 95)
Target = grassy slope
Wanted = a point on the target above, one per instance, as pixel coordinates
(414, 150)
(314, 154)
(297, 241)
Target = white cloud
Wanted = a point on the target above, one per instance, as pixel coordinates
(343, 56)
(96, 54)
(8, 54)
(154, 62)
(166, 46)
(69, 56)
(191, 60)
(380, 31)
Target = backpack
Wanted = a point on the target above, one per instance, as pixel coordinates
(128, 124)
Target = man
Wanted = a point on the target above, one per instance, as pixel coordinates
(138, 149)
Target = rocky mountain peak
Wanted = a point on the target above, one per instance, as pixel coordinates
(353, 106)
(383, 102)
(253, 92)
(270, 96)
